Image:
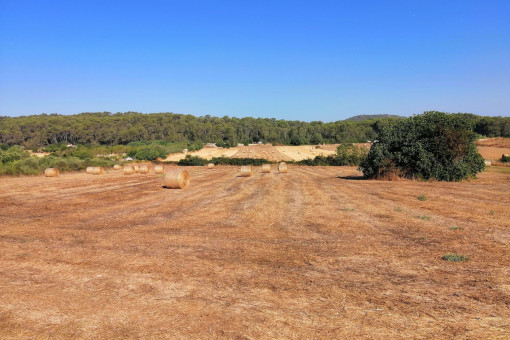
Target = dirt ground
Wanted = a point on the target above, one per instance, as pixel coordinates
(314, 253)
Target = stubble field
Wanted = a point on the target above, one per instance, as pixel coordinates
(314, 253)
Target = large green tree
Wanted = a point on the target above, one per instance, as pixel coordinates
(432, 145)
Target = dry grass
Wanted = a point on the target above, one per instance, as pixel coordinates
(261, 257)
(498, 142)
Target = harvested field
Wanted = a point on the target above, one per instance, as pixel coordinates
(315, 253)
(498, 142)
(492, 152)
(265, 151)
(206, 153)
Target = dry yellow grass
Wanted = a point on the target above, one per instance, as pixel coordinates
(316, 255)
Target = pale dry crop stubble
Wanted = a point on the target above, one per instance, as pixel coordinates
(313, 253)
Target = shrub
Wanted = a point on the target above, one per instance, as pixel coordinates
(192, 161)
(148, 154)
(238, 161)
(349, 154)
(432, 145)
(455, 258)
(505, 159)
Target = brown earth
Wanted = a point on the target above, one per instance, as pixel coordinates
(315, 253)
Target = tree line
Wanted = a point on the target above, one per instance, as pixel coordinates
(105, 128)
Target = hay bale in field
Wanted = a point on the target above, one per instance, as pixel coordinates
(282, 167)
(488, 163)
(246, 171)
(117, 167)
(144, 169)
(129, 170)
(266, 168)
(176, 179)
(51, 172)
(89, 170)
(98, 170)
(136, 168)
(210, 166)
(159, 169)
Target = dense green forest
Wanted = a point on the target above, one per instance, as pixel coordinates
(37, 131)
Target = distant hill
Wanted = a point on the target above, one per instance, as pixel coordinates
(366, 117)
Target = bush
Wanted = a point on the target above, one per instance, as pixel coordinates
(505, 159)
(195, 146)
(455, 258)
(349, 154)
(432, 145)
(147, 154)
(239, 161)
(192, 161)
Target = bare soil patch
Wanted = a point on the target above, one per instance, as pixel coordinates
(313, 253)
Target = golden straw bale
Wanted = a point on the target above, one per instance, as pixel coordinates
(266, 168)
(210, 166)
(144, 169)
(282, 167)
(117, 167)
(129, 170)
(136, 168)
(90, 170)
(51, 172)
(176, 178)
(159, 169)
(98, 170)
(246, 171)
(488, 163)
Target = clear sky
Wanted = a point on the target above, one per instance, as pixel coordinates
(296, 60)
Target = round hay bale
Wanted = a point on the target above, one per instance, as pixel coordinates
(266, 168)
(129, 170)
(176, 179)
(282, 168)
(210, 166)
(159, 169)
(51, 172)
(98, 170)
(488, 163)
(144, 169)
(117, 167)
(246, 171)
(136, 168)
(89, 170)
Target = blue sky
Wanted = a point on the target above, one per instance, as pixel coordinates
(296, 60)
